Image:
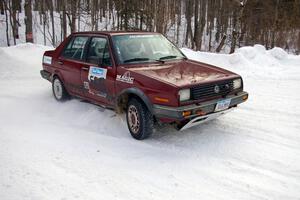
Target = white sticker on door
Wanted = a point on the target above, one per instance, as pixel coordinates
(97, 72)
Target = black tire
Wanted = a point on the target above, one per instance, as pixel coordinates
(58, 89)
(138, 113)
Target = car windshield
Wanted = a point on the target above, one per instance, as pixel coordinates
(141, 48)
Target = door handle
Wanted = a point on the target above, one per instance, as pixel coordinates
(85, 68)
(60, 62)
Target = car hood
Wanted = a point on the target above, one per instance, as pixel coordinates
(183, 73)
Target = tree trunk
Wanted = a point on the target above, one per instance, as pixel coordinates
(2, 7)
(298, 51)
(200, 26)
(274, 28)
(178, 23)
(221, 44)
(196, 24)
(28, 21)
(15, 8)
(210, 37)
(73, 17)
(64, 20)
(44, 27)
(234, 31)
(6, 20)
(52, 22)
(189, 34)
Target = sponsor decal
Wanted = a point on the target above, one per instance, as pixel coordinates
(96, 72)
(86, 85)
(47, 60)
(141, 36)
(126, 78)
(96, 84)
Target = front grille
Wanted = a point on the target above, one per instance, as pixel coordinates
(211, 90)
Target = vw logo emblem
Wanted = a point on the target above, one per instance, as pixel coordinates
(227, 86)
(217, 89)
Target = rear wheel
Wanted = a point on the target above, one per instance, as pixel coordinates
(58, 89)
(139, 119)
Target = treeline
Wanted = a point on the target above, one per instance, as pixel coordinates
(210, 25)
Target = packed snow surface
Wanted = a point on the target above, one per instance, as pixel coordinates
(76, 150)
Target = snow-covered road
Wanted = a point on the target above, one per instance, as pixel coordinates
(76, 150)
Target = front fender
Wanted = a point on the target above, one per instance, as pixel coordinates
(140, 94)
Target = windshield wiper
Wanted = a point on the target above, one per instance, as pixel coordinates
(148, 59)
(167, 57)
(136, 59)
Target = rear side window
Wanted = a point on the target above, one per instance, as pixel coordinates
(75, 48)
(99, 51)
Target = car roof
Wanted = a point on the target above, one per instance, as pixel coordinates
(113, 33)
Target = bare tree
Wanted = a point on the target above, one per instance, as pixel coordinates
(4, 4)
(208, 25)
(28, 21)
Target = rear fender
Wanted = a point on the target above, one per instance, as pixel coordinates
(58, 74)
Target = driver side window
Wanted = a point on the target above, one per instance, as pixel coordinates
(99, 51)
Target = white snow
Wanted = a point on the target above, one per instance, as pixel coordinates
(76, 150)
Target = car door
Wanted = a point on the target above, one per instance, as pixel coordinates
(70, 63)
(99, 74)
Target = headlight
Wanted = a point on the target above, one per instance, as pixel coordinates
(237, 83)
(184, 94)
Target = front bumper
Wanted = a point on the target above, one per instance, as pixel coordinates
(199, 111)
(200, 119)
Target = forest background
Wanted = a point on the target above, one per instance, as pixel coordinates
(205, 25)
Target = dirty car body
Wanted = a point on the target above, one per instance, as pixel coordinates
(112, 68)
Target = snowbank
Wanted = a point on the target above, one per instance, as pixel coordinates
(75, 150)
(23, 60)
(256, 62)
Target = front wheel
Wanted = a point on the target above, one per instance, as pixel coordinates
(58, 89)
(139, 119)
